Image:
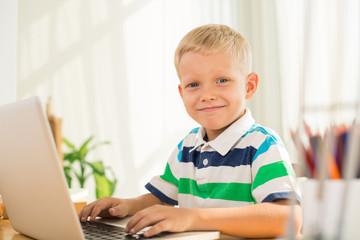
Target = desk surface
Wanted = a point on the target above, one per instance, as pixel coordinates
(8, 233)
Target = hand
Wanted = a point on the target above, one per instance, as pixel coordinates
(104, 207)
(161, 218)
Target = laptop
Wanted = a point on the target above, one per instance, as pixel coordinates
(33, 185)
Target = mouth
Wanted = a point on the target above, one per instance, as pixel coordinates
(210, 109)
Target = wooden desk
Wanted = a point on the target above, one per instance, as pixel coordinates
(8, 233)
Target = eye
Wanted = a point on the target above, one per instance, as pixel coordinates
(192, 85)
(222, 80)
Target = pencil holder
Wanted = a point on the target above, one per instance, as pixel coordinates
(332, 209)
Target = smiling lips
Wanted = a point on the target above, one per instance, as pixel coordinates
(210, 109)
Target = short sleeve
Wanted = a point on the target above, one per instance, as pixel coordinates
(165, 186)
(272, 174)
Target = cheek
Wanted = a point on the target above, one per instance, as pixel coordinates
(236, 101)
(236, 95)
(189, 98)
(187, 101)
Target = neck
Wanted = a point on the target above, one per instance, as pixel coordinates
(212, 134)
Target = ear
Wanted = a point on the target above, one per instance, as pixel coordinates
(252, 81)
(180, 90)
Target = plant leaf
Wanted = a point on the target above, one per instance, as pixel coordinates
(83, 150)
(97, 167)
(69, 144)
(113, 182)
(104, 187)
(67, 171)
(71, 156)
(78, 176)
(86, 142)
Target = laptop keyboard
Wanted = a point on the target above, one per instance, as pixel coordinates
(98, 230)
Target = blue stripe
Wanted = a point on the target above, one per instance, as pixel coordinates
(257, 128)
(234, 158)
(160, 195)
(195, 130)
(282, 195)
(264, 147)
(266, 131)
(270, 140)
(179, 146)
(179, 155)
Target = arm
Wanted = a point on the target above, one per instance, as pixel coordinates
(256, 221)
(116, 207)
(260, 220)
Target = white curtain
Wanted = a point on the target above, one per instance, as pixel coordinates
(8, 50)
(322, 45)
(319, 58)
(307, 54)
(108, 67)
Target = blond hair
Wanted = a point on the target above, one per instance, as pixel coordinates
(212, 39)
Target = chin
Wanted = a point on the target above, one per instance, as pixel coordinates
(215, 128)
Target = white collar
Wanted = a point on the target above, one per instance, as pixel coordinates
(227, 139)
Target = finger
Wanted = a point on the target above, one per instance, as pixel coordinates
(133, 221)
(143, 220)
(94, 209)
(100, 209)
(137, 217)
(136, 222)
(118, 211)
(161, 226)
(81, 213)
(85, 212)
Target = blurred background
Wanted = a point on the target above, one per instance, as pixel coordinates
(107, 66)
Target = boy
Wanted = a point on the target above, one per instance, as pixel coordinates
(231, 174)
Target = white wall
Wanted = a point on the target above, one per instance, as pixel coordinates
(108, 67)
(8, 50)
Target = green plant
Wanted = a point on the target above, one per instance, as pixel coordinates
(76, 164)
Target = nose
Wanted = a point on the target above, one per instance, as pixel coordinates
(208, 93)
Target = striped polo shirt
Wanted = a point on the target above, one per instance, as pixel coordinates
(246, 164)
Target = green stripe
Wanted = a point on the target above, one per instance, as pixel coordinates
(224, 191)
(169, 177)
(272, 171)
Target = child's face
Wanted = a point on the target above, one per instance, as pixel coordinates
(214, 90)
